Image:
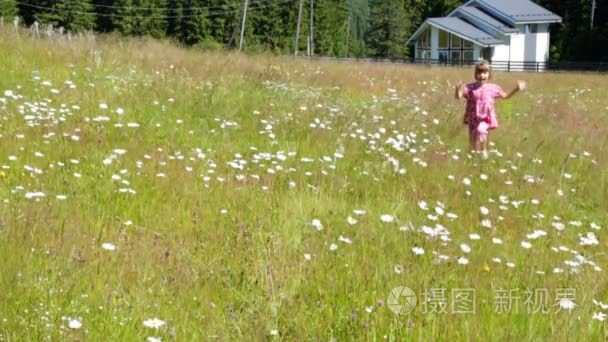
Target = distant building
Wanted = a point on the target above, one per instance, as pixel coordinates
(513, 32)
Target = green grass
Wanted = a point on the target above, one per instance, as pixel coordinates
(219, 252)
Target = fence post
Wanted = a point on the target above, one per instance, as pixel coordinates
(49, 30)
(35, 31)
(509, 65)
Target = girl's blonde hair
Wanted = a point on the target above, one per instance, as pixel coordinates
(482, 66)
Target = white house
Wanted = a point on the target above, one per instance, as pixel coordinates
(513, 33)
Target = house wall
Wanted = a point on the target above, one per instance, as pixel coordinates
(537, 47)
(530, 47)
(518, 47)
(542, 47)
(501, 53)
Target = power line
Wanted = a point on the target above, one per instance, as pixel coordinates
(159, 8)
(111, 15)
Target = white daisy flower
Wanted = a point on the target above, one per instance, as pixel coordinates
(74, 324)
(418, 250)
(386, 218)
(154, 323)
(108, 246)
(316, 223)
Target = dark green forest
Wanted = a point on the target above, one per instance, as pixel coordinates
(356, 28)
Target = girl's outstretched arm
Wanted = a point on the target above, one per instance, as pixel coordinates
(521, 86)
(458, 92)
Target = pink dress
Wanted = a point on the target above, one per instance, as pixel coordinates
(480, 112)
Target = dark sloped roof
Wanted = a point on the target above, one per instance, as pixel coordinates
(521, 10)
(465, 30)
(476, 13)
(495, 16)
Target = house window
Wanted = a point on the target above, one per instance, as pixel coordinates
(456, 42)
(451, 48)
(444, 38)
(467, 56)
(422, 43)
(425, 39)
(423, 54)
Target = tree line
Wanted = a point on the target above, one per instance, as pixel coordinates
(359, 28)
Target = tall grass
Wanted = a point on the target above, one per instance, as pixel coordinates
(205, 171)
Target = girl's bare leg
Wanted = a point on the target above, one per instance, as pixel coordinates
(484, 148)
(478, 145)
(472, 142)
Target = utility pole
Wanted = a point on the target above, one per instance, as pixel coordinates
(243, 24)
(348, 3)
(295, 53)
(347, 33)
(311, 36)
(592, 13)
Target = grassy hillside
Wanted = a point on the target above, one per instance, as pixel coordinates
(255, 197)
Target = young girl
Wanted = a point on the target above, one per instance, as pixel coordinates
(480, 114)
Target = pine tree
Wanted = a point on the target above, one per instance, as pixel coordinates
(73, 15)
(8, 9)
(45, 12)
(573, 39)
(387, 29)
(30, 10)
(359, 20)
(225, 20)
(104, 10)
(141, 17)
(79, 15)
(176, 13)
(331, 27)
(123, 16)
(435, 8)
(271, 25)
(194, 27)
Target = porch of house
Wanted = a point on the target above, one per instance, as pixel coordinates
(437, 46)
(442, 46)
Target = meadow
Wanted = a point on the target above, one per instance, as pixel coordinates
(150, 192)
